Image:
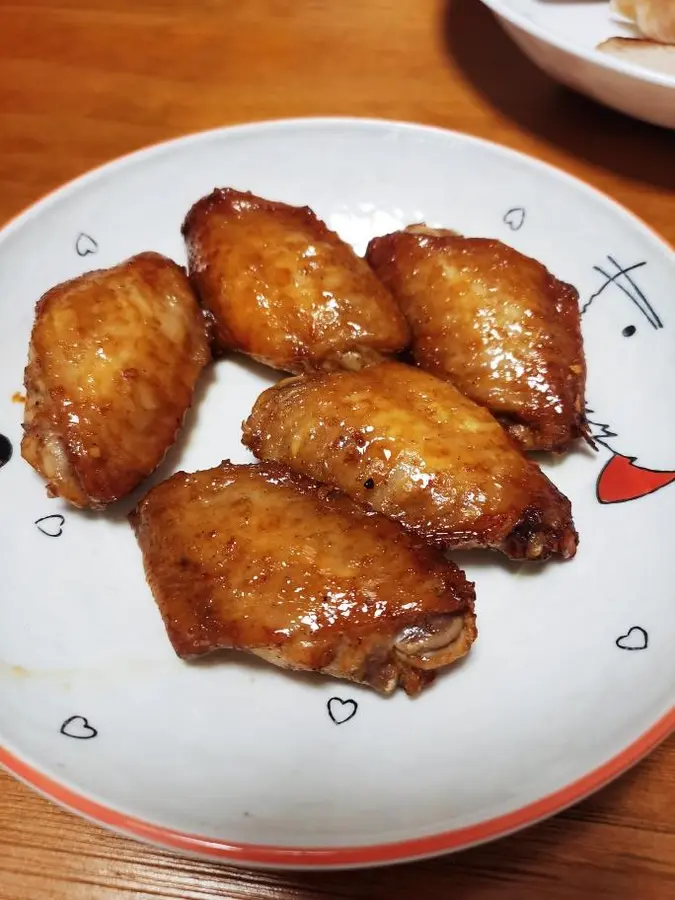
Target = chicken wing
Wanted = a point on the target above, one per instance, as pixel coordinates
(284, 289)
(414, 448)
(114, 357)
(495, 323)
(252, 557)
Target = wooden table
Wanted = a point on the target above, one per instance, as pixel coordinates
(81, 83)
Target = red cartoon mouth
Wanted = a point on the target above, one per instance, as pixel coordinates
(622, 480)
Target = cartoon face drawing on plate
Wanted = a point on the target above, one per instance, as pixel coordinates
(634, 424)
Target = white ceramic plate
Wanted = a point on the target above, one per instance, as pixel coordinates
(573, 675)
(561, 37)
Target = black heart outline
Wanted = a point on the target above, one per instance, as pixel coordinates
(515, 225)
(349, 702)
(6, 450)
(623, 637)
(85, 244)
(93, 732)
(45, 519)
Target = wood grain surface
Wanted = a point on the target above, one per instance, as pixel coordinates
(81, 83)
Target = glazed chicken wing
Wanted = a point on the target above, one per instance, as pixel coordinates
(416, 449)
(284, 289)
(113, 361)
(255, 558)
(495, 323)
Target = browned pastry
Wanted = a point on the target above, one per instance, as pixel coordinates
(284, 289)
(113, 361)
(655, 19)
(649, 54)
(416, 449)
(252, 557)
(495, 323)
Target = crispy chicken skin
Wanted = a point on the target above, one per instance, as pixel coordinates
(114, 358)
(252, 557)
(284, 289)
(495, 323)
(416, 449)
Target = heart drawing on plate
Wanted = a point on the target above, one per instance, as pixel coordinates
(340, 710)
(515, 218)
(636, 638)
(79, 728)
(85, 244)
(51, 526)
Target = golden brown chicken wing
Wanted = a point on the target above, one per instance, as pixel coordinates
(113, 361)
(495, 323)
(284, 289)
(255, 558)
(414, 448)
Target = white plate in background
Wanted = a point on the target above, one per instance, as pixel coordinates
(561, 37)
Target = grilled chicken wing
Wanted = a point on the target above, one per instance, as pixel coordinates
(495, 323)
(284, 289)
(113, 361)
(414, 448)
(252, 557)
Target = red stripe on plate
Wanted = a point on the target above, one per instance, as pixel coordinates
(318, 857)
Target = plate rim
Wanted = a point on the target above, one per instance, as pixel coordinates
(325, 857)
(156, 148)
(367, 855)
(502, 9)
